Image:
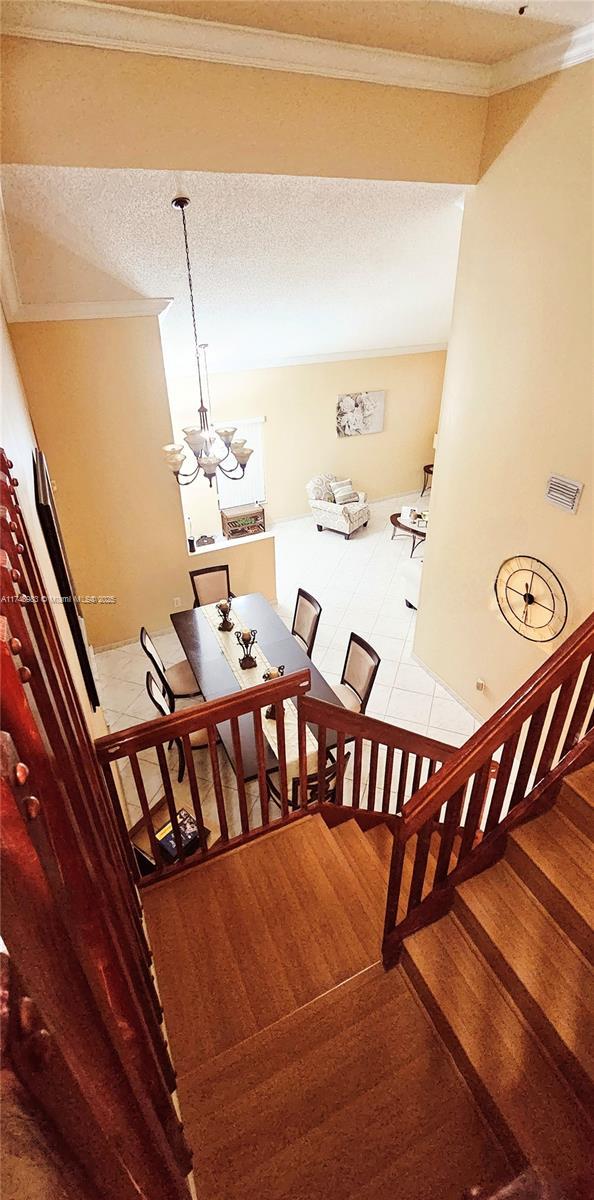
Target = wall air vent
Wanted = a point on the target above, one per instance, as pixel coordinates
(565, 493)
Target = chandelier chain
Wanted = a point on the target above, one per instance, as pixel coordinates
(185, 228)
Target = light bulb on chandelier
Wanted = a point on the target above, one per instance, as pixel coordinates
(214, 449)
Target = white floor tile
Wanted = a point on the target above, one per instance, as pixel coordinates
(414, 679)
(448, 714)
(410, 706)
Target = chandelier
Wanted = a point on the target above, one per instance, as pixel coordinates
(213, 449)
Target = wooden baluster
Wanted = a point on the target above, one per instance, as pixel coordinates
(535, 727)
(140, 788)
(282, 758)
(503, 773)
(420, 866)
(564, 698)
(403, 776)
(216, 778)
(302, 742)
(356, 798)
(387, 785)
(474, 811)
(340, 756)
(261, 757)
(372, 777)
(395, 877)
(416, 779)
(179, 846)
(580, 711)
(239, 773)
(448, 834)
(194, 792)
(433, 765)
(107, 769)
(321, 785)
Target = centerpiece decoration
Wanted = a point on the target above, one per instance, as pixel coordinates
(246, 639)
(273, 673)
(224, 610)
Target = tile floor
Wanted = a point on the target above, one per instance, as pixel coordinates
(360, 587)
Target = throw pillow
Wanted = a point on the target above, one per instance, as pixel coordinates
(344, 492)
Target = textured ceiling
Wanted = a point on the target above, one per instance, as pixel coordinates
(484, 31)
(284, 268)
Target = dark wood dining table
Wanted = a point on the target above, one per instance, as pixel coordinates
(216, 679)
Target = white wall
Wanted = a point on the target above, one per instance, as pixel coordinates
(517, 401)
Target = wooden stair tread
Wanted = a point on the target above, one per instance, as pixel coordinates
(494, 1045)
(337, 1096)
(366, 862)
(555, 859)
(548, 977)
(576, 799)
(243, 940)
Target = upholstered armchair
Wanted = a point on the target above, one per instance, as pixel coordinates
(331, 514)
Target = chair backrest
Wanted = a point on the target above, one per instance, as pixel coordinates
(158, 695)
(306, 620)
(156, 662)
(360, 668)
(210, 584)
(331, 775)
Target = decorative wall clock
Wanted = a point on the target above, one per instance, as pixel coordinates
(531, 598)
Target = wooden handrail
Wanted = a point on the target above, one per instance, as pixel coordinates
(354, 724)
(495, 732)
(113, 746)
(465, 800)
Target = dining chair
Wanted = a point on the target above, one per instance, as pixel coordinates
(306, 620)
(163, 705)
(210, 584)
(331, 773)
(178, 681)
(360, 668)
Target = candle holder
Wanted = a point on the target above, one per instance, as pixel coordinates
(273, 673)
(246, 639)
(224, 611)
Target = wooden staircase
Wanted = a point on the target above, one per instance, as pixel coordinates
(305, 1070)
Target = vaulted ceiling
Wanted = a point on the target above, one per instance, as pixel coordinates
(285, 268)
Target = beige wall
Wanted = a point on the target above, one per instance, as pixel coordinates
(97, 394)
(518, 389)
(83, 106)
(299, 407)
(18, 439)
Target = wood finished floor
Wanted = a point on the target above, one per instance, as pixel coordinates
(307, 1073)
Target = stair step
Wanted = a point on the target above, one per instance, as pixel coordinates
(576, 799)
(548, 978)
(555, 860)
(523, 1094)
(255, 934)
(372, 875)
(354, 1096)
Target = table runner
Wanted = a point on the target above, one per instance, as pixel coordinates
(250, 678)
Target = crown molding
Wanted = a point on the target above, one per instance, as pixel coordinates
(340, 356)
(536, 63)
(86, 23)
(84, 310)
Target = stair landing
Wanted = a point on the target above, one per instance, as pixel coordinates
(244, 940)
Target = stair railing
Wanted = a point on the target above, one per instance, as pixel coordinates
(243, 711)
(399, 763)
(387, 764)
(455, 824)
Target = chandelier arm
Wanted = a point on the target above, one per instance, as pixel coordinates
(184, 480)
(229, 474)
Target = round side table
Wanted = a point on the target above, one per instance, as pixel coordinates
(427, 475)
